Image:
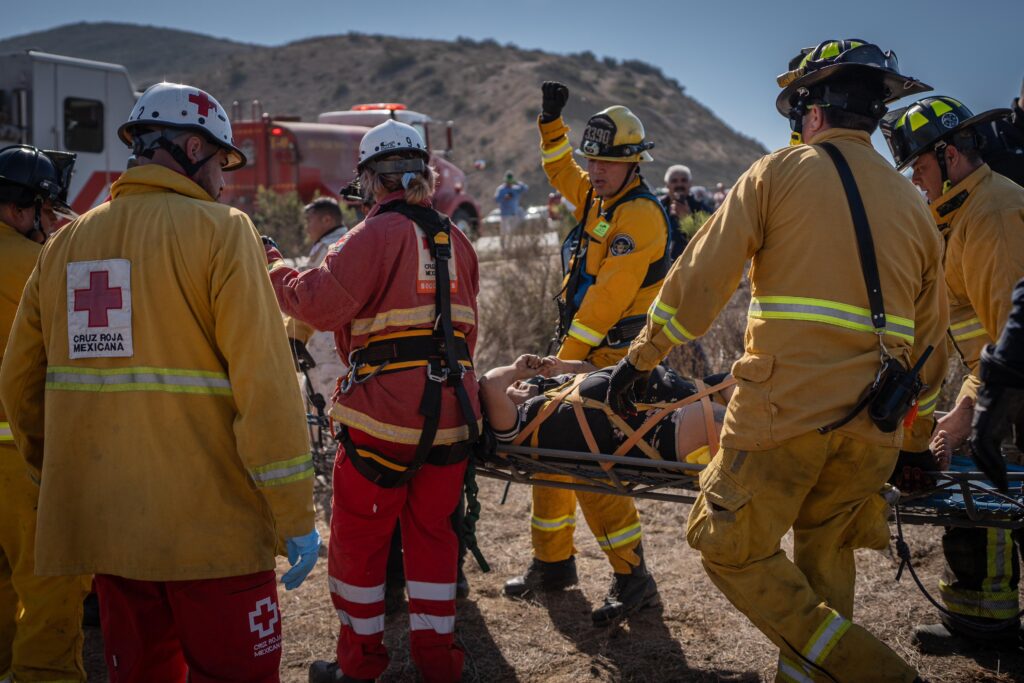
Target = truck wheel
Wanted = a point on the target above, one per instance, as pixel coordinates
(465, 219)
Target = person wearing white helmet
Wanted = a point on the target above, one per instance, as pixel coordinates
(149, 324)
(399, 292)
(185, 125)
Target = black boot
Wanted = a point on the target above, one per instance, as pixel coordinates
(950, 637)
(628, 593)
(543, 576)
(328, 672)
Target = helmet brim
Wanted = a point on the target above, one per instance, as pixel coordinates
(897, 85)
(424, 154)
(633, 159)
(983, 117)
(236, 158)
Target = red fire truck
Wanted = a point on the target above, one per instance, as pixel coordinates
(289, 155)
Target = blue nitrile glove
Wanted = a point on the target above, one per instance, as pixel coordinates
(302, 554)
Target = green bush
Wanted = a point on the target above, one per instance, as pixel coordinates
(280, 217)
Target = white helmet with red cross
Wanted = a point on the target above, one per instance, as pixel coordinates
(173, 105)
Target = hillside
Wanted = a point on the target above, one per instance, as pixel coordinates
(491, 91)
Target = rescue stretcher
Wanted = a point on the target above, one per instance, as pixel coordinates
(961, 496)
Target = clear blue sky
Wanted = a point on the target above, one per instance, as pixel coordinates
(725, 53)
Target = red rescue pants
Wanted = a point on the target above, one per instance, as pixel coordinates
(363, 519)
(204, 631)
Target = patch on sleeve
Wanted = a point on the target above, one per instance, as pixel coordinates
(621, 245)
(100, 309)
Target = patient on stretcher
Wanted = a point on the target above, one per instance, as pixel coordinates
(515, 395)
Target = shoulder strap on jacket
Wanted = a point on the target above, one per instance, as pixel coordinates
(865, 244)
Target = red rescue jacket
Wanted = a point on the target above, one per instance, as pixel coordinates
(377, 281)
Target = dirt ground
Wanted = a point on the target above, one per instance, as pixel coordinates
(696, 636)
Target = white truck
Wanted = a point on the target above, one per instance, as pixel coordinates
(68, 104)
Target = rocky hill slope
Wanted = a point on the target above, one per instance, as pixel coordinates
(491, 91)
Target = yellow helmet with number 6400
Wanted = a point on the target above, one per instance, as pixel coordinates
(615, 134)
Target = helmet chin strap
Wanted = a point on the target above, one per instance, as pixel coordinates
(940, 157)
(37, 225)
(629, 176)
(146, 144)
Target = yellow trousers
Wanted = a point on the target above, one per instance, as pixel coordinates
(613, 519)
(826, 488)
(40, 616)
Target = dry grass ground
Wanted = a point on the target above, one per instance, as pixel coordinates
(696, 636)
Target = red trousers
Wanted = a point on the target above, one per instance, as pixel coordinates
(364, 516)
(207, 631)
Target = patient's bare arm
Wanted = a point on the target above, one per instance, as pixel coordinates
(554, 365)
(501, 410)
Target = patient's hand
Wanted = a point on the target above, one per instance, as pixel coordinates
(955, 426)
(942, 448)
(528, 365)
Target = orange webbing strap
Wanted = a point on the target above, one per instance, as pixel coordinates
(709, 418)
(578, 403)
(663, 410)
(548, 409)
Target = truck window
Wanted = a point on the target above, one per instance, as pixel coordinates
(83, 125)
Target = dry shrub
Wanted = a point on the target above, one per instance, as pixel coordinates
(517, 291)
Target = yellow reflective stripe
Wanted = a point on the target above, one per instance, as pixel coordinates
(676, 333)
(275, 264)
(660, 312)
(557, 152)
(370, 369)
(553, 524)
(170, 380)
(917, 119)
(926, 405)
(968, 329)
(828, 312)
(999, 549)
(5, 432)
(619, 538)
(826, 637)
(792, 672)
(586, 335)
(396, 433)
(383, 461)
(830, 50)
(409, 317)
(283, 471)
(1002, 605)
(940, 107)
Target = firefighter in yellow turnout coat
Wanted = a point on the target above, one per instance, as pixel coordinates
(40, 616)
(614, 261)
(172, 452)
(980, 215)
(811, 349)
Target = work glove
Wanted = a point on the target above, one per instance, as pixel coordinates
(626, 386)
(555, 95)
(302, 554)
(998, 410)
(914, 471)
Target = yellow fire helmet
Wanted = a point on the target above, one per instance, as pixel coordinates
(615, 134)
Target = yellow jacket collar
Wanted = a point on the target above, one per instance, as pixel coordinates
(847, 134)
(948, 205)
(7, 228)
(156, 178)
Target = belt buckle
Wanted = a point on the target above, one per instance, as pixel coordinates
(440, 376)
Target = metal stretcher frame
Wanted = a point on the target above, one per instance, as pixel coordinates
(676, 482)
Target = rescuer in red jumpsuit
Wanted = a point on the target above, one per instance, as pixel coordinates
(409, 404)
